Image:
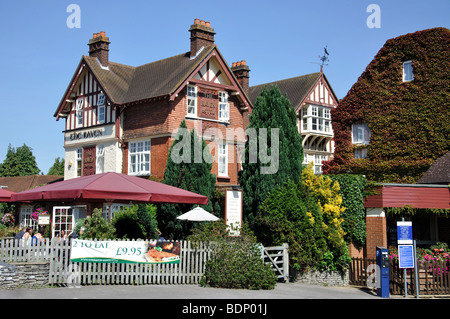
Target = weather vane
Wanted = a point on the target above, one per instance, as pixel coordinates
(324, 58)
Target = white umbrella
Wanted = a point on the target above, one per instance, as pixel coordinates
(198, 214)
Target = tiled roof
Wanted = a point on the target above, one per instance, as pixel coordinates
(438, 173)
(23, 183)
(295, 88)
(125, 84)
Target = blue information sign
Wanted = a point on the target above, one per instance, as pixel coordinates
(404, 233)
(406, 256)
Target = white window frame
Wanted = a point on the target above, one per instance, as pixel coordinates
(25, 217)
(408, 71)
(318, 159)
(79, 112)
(320, 119)
(224, 106)
(114, 209)
(139, 156)
(192, 94)
(63, 219)
(222, 160)
(360, 133)
(100, 159)
(101, 109)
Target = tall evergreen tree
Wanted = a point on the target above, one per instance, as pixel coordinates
(188, 167)
(57, 168)
(19, 162)
(271, 111)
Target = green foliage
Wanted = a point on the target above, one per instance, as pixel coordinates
(19, 162)
(57, 168)
(408, 120)
(138, 221)
(271, 110)
(291, 215)
(235, 261)
(192, 174)
(97, 227)
(352, 190)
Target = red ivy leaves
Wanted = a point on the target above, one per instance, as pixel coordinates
(409, 121)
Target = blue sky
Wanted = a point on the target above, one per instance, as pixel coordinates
(278, 39)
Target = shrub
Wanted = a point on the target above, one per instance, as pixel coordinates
(291, 215)
(236, 261)
(97, 227)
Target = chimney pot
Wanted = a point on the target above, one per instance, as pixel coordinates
(243, 62)
(202, 35)
(99, 47)
(233, 64)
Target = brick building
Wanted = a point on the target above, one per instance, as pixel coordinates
(122, 118)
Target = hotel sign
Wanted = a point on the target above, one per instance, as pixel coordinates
(85, 135)
(89, 134)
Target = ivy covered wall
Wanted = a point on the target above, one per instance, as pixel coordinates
(409, 121)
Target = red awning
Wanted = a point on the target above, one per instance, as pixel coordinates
(5, 195)
(110, 186)
(415, 196)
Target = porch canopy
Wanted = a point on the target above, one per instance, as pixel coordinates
(411, 195)
(5, 195)
(112, 187)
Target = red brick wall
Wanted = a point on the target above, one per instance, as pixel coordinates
(162, 117)
(376, 234)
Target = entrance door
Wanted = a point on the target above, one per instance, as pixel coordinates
(62, 221)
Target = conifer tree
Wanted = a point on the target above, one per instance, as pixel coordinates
(271, 111)
(19, 162)
(188, 167)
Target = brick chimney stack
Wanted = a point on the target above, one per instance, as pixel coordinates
(99, 47)
(242, 73)
(202, 35)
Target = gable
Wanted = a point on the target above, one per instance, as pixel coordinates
(211, 71)
(322, 94)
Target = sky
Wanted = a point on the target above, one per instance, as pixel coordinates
(41, 45)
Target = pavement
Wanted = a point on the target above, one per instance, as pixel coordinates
(281, 291)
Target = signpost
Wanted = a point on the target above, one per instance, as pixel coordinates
(407, 252)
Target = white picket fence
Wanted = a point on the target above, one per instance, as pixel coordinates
(64, 272)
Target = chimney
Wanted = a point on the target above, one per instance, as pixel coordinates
(202, 35)
(242, 73)
(99, 47)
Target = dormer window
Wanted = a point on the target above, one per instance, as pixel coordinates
(408, 74)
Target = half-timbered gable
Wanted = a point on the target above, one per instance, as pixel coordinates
(312, 98)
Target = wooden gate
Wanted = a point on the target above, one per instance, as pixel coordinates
(278, 257)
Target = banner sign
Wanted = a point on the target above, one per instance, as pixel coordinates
(109, 251)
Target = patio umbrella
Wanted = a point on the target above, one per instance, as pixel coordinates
(5, 195)
(110, 187)
(198, 214)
